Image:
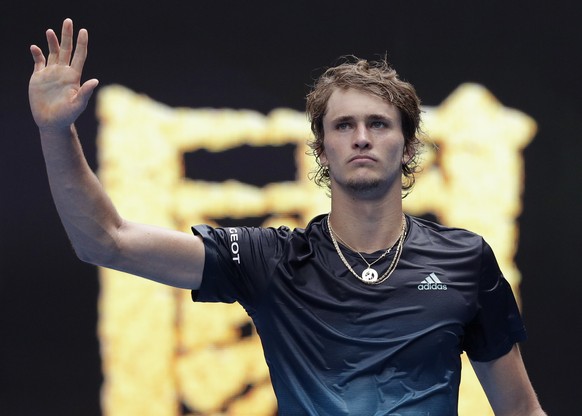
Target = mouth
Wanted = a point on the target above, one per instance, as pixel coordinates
(361, 158)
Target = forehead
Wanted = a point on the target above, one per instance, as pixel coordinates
(352, 102)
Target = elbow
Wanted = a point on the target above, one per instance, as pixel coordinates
(90, 256)
(101, 256)
(531, 408)
(103, 251)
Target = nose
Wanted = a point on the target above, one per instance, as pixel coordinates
(361, 138)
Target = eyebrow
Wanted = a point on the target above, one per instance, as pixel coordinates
(341, 119)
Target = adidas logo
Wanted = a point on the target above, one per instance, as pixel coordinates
(432, 282)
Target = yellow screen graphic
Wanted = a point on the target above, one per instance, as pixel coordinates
(165, 355)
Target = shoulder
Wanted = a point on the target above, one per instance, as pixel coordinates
(430, 240)
(255, 240)
(458, 246)
(430, 232)
(236, 233)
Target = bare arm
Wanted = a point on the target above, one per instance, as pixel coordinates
(96, 230)
(507, 385)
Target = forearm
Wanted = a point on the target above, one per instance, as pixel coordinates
(90, 219)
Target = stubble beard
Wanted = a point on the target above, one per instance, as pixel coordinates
(363, 186)
(369, 187)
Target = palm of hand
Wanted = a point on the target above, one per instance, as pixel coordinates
(56, 96)
(53, 94)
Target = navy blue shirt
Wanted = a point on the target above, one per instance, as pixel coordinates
(337, 346)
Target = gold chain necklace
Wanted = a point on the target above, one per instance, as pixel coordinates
(369, 275)
(360, 254)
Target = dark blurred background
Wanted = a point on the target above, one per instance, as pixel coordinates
(263, 55)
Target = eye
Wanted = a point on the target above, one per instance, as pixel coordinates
(378, 124)
(342, 126)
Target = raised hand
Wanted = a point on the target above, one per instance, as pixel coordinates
(55, 92)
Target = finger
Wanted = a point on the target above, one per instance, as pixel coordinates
(88, 87)
(86, 91)
(53, 45)
(38, 57)
(80, 51)
(66, 42)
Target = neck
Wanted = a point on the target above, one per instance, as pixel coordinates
(367, 225)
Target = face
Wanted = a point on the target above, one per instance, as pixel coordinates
(363, 143)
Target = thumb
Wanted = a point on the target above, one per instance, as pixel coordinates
(86, 91)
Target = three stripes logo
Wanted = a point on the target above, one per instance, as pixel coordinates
(432, 282)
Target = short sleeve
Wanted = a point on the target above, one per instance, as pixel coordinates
(239, 263)
(497, 325)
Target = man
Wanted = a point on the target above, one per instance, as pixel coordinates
(367, 310)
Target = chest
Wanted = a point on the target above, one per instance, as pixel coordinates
(417, 295)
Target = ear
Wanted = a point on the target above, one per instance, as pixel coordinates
(323, 158)
(407, 154)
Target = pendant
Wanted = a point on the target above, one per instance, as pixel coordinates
(369, 275)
